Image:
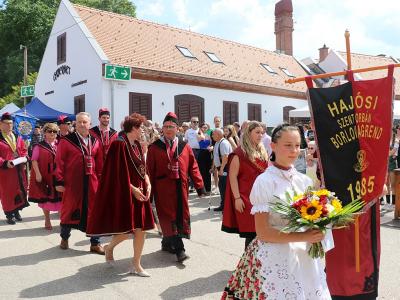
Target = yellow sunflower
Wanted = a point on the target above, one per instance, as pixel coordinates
(312, 211)
(323, 192)
(337, 205)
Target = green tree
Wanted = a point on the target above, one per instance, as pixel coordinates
(15, 95)
(123, 7)
(28, 23)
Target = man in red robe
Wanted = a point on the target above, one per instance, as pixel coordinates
(103, 132)
(65, 126)
(169, 162)
(13, 181)
(79, 164)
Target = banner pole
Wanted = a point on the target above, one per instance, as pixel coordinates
(356, 222)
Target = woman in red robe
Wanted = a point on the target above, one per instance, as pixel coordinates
(42, 179)
(122, 200)
(12, 178)
(170, 162)
(245, 164)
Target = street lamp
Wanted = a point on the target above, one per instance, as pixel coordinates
(25, 66)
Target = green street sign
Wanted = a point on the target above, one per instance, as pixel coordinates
(27, 91)
(114, 72)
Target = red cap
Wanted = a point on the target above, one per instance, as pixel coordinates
(62, 119)
(6, 116)
(171, 117)
(103, 111)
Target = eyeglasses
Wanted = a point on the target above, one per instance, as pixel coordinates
(169, 126)
(311, 148)
(51, 131)
(195, 121)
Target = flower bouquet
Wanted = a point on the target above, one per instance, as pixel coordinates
(316, 209)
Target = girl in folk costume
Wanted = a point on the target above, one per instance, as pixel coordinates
(12, 176)
(276, 265)
(42, 179)
(245, 163)
(124, 180)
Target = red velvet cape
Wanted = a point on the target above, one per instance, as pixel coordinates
(112, 135)
(44, 191)
(172, 195)
(341, 262)
(116, 210)
(13, 181)
(234, 221)
(80, 189)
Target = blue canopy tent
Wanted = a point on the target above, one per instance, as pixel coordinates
(41, 111)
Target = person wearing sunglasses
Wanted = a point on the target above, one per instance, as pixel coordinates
(12, 177)
(42, 179)
(170, 163)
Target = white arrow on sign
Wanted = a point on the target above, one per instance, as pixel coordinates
(125, 73)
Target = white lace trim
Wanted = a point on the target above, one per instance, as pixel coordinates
(259, 208)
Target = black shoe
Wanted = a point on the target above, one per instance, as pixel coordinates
(219, 208)
(11, 220)
(17, 216)
(169, 249)
(181, 256)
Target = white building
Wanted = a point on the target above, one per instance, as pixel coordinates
(172, 70)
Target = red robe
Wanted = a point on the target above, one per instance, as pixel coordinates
(13, 181)
(234, 221)
(112, 136)
(44, 191)
(172, 195)
(80, 189)
(116, 210)
(341, 262)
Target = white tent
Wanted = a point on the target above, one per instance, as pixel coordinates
(302, 112)
(396, 110)
(10, 108)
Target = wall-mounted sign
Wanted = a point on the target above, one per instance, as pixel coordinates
(64, 69)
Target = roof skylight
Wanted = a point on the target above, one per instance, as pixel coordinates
(286, 71)
(213, 57)
(268, 68)
(185, 52)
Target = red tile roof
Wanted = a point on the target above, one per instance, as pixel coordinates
(150, 46)
(364, 61)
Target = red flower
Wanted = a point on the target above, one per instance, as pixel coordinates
(261, 296)
(323, 199)
(224, 295)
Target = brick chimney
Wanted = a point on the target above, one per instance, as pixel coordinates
(284, 26)
(323, 53)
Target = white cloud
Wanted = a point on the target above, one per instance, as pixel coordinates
(255, 19)
(180, 8)
(325, 22)
(150, 8)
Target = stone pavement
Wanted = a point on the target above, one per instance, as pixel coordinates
(33, 266)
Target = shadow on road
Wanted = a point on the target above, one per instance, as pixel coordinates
(198, 287)
(96, 276)
(28, 232)
(395, 224)
(88, 278)
(36, 258)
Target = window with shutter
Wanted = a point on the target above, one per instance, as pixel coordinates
(141, 103)
(254, 112)
(62, 48)
(79, 103)
(230, 112)
(187, 106)
(286, 110)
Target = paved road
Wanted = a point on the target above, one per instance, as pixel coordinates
(33, 266)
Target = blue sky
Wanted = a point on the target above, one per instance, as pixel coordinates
(374, 25)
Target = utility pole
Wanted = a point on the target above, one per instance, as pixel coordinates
(25, 67)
